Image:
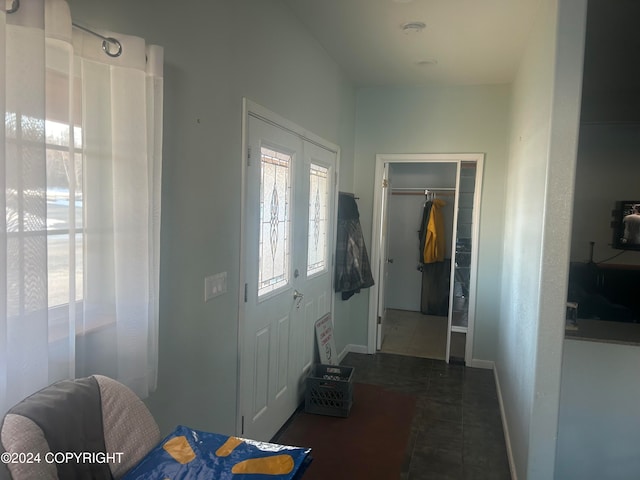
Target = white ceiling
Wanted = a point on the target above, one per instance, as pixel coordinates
(472, 41)
(475, 42)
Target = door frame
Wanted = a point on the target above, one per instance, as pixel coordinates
(383, 246)
(376, 237)
(251, 108)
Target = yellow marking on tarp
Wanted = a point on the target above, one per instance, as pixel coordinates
(228, 447)
(179, 449)
(276, 465)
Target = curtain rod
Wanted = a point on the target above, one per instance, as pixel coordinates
(15, 6)
(105, 41)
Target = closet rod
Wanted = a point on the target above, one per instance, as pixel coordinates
(443, 194)
(423, 191)
(15, 6)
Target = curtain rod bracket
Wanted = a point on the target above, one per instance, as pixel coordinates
(106, 41)
(15, 6)
(111, 40)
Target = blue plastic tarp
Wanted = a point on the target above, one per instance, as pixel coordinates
(188, 454)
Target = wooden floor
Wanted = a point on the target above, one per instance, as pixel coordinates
(414, 334)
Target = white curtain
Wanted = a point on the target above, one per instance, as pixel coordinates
(81, 165)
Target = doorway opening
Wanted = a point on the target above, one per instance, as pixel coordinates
(413, 333)
(424, 301)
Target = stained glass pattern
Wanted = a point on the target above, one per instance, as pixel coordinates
(318, 219)
(275, 221)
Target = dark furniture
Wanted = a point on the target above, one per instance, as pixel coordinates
(607, 292)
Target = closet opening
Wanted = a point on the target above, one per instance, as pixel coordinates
(424, 252)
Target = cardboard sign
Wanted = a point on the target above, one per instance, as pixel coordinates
(326, 345)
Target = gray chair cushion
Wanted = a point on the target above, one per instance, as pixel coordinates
(21, 435)
(123, 419)
(128, 425)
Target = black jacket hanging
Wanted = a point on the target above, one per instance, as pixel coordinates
(352, 270)
(422, 233)
(434, 297)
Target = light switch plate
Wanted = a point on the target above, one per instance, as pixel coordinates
(215, 285)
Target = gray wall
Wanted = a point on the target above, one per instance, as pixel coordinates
(216, 53)
(439, 119)
(544, 131)
(599, 422)
(605, 173)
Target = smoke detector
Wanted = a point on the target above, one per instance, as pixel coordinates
(412, 27)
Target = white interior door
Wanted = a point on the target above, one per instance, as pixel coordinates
(404, 289)
(289, 232)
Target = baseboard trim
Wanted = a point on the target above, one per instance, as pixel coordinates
(486, 364)
(351, 347)
(505, 426)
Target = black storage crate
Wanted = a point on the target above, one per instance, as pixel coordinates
(329, 390)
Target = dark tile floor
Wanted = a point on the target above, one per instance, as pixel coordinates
(457, 430)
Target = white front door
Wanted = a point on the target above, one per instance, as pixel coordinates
(289, 238)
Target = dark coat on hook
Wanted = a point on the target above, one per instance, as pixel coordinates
(353, 270)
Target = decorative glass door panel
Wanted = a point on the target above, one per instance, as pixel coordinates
(275, 220)
(317, 252)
